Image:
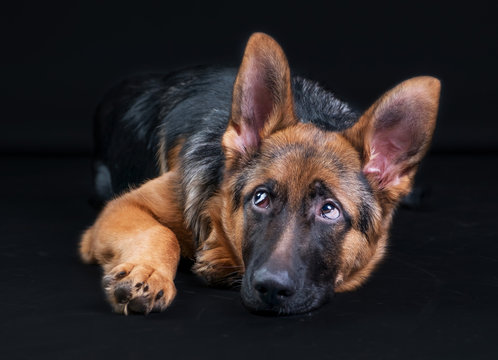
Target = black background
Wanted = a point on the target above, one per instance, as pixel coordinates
(59, 59)
(433, 298)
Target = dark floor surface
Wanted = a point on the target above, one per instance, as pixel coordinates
(434, 297)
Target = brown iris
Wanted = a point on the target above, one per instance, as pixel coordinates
(262, 199)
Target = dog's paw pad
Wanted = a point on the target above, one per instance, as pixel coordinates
(138, 289)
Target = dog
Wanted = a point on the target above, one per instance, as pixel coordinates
(265, 180)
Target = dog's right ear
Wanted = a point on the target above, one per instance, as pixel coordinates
(262, 97)
(394, 134)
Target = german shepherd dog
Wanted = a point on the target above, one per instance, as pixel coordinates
(264, 180)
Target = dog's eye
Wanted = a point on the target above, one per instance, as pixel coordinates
(261, 199)
(330, 211)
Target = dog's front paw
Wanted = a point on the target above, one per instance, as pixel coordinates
(138, 289)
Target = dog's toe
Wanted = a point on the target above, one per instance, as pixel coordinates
(122, 293)
(139, 305)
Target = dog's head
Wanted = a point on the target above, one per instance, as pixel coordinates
(306, 210)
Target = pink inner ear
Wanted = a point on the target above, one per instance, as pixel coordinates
(386, 149)
(256, 105)
(248, 138)
(397, 137)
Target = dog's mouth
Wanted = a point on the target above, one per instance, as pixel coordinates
(274, 300)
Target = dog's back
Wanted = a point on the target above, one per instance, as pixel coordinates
(145, 117)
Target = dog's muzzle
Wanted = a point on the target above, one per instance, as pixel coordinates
(278, 292)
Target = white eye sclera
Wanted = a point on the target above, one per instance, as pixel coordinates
(329, 211)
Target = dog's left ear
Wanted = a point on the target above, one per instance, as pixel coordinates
(262, 100)
(394, 134)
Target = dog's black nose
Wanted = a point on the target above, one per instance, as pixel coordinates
(273, 287)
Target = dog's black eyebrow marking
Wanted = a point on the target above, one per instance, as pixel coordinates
(240, 182)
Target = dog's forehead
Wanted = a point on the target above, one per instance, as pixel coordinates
(305, 151)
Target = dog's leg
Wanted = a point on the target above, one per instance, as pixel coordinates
(135, 241)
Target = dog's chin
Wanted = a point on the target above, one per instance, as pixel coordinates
(284, 310)
(305, 302)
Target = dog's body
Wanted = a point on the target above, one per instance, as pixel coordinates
(253, 173)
